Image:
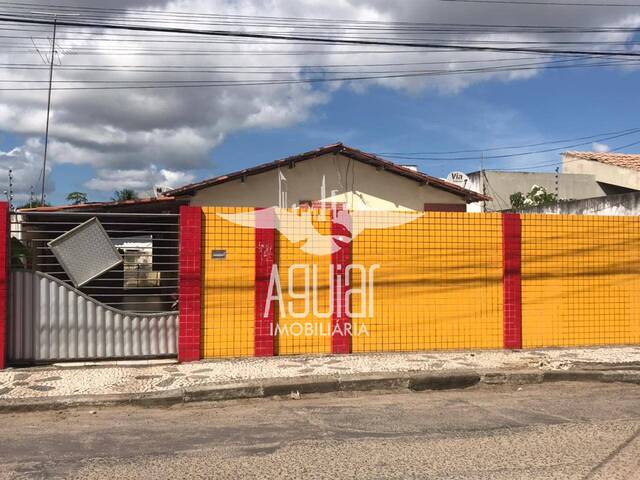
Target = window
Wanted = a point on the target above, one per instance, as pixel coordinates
(445, 207)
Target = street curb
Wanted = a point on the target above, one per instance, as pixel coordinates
(443, 381)
(319, 384)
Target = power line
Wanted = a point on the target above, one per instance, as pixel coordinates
(264, 71)
(311, 39)
(520, 154)
(514, 147)
(173, 15)
(201, 67)
(548, 4)
(208, 42)
(238, 83)
(543, 165)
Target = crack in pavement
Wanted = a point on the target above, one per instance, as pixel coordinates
(609, 458)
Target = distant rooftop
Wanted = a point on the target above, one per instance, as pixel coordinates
(98, 206)
(624, 160)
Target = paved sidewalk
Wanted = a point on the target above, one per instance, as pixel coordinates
(143, 377)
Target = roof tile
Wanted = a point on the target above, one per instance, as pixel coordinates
(624, 160)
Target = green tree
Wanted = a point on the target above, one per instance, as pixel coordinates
(124, 195)
(537, 197)
(517, 200)
(76, 198)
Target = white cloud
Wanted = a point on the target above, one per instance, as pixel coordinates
(109, 180)
(144, 136)
(600, 147)
(25, 162)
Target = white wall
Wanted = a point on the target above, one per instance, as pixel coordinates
(499, 185)
(603, 172)
(623, 205)
(361, 186)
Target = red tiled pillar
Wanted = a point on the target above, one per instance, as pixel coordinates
(511, 286)
(190, 283)
(341, 323)
(4, 279)
(264, 315)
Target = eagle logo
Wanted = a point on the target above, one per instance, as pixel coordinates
(297, 225)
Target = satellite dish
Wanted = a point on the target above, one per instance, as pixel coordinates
(458, 178)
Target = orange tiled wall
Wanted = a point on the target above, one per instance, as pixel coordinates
(580, 280)
(228, 285)
(317, 338)
(438, 285)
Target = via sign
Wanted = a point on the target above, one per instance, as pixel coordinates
(458, 178)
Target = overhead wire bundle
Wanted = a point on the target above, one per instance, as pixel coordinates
(100, 31)
(213, 51)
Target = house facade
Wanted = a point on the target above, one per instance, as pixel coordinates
(331, 174)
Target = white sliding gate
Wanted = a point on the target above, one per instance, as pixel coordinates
(128, 311)
(51, 321)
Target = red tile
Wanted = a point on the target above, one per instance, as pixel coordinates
(512, 283)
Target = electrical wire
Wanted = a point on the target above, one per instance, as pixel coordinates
(238, 83)
(313, 39)
(552, 164)
(519, 154)
(547, 4)
(278, 21)
(509, 68)
(515, 147)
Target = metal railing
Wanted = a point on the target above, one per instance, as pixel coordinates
(150, 240)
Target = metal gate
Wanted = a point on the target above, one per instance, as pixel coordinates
(128, 311)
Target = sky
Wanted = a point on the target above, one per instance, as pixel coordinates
(103, 140)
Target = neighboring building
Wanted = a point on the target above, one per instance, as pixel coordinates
(360, 180)
(500, 185)
(622, 205)
(614, 172)
(585, 175)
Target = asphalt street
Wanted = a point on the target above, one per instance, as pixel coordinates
(563, 430)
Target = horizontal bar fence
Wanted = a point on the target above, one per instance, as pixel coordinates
(147, 281)
(128, 311)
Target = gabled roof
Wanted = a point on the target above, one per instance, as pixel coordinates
(368, 158)
(624, 160)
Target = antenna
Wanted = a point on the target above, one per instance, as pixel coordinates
(51, 62)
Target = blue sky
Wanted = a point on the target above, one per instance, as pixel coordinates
(553, 105)
(103, 140)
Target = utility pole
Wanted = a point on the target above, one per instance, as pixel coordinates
(51, 60)
(46, 131)
(484, 188)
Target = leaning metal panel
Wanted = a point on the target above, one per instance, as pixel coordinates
(85, 252)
